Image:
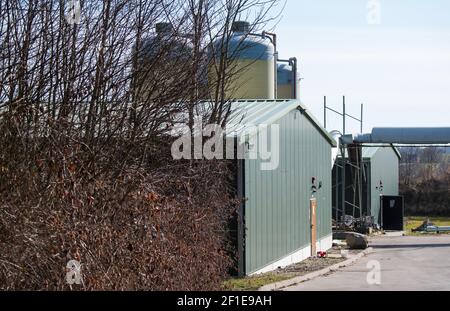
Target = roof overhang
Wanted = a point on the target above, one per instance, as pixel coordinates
(248, 116)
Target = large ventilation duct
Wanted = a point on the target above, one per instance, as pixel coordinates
(413, 136)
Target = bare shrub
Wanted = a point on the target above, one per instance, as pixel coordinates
(424, 181)
(85, 165)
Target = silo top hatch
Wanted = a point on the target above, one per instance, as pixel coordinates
(244, 45)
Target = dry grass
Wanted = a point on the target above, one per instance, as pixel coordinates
(415, 221)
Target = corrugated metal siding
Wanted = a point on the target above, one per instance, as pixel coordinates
(249, 113)
(384, 166)
(277, 206)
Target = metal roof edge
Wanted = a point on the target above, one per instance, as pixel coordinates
(269, 118)
(297, 104)
(396, 150)
(317, 124)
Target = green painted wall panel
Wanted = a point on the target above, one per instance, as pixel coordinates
(384, 166)
(277, 206)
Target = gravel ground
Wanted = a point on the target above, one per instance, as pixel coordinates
(313, 264)
(302, 268)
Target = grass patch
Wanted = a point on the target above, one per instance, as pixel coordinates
(415, 221)
(255, 282)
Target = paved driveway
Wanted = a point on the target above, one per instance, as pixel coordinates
(406, 263)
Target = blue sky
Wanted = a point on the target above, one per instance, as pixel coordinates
(399, 68)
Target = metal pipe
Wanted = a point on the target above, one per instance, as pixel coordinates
(343, 114)
(336, 202)
(412, 135)
(293, 62)
(352, 117)
(343, 173)
(360, 181)
(362, 115)
(437, 229)
(352, 205)
(335, 111)
(405, 145)
(275, 55)
(352, 165)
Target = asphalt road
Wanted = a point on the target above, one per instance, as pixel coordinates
(405, 263)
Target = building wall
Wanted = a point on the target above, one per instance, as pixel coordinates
(277, 207)
(384, 166)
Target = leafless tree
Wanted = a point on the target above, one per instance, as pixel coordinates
(409, 164)
(85, 165)
(430, 157)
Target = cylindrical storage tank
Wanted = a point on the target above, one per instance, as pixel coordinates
(285, 77)
(162, 61)
(166, 44)
(250, 64)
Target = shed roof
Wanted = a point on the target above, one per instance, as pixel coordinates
(246, 114)
(369, 152)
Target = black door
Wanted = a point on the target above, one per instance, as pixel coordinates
(392, 212)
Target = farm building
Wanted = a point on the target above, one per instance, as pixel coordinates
(285, 183)
(380, 178)
(275, 229)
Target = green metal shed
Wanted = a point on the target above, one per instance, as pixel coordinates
(381, 177)
(383, 169)
(275, 225)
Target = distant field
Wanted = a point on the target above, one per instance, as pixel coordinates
(414, 222)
